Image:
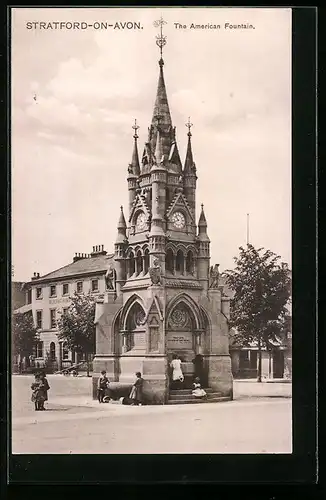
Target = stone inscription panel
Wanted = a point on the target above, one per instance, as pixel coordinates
(179, 340)
(139, 340)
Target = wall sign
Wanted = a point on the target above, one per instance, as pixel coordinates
(64, 300)
(179, 340)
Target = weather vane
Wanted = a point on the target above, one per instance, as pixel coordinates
(135, 127)
(160, 39)
(189, 125)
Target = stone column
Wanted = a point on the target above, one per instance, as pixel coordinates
(124, 334)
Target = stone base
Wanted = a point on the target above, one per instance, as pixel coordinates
(107, 363)
(155, 380)
(220, 375)
(123, 369)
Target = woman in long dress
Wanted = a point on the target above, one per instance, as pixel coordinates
(177, 375)
(136, 394)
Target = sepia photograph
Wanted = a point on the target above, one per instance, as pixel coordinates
(151, 236)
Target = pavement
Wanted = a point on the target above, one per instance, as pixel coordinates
(257, 421)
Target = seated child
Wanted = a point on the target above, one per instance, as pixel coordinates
(197, 391)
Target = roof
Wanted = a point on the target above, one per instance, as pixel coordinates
(89, 265)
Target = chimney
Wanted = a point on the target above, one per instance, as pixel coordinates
(35, 276)
(98, 250)
(79, 256)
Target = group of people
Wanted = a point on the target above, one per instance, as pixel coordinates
(40, 388)
(136, 394)
(178, 378)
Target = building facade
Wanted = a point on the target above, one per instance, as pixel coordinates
(47, 297)
(167, 298)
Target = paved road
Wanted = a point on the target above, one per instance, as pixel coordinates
(73, 424)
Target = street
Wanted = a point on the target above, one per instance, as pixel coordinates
(73, 423)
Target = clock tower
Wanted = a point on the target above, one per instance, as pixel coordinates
(167, 299)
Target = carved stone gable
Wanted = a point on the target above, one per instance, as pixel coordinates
(179, 202)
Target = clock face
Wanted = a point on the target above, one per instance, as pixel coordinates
(178, 220)
(141, 222)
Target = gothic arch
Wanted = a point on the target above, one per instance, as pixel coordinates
(137, 249)
(172, 247)
(169, 260)
(146, 260)
(182, 248)
(127, 307)
(144, 248)
(180, 261)
(116, 329)
(183, 298)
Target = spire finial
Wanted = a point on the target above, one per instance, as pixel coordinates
(202, 206)
(189, 125)
(135, 127)
(160, 39)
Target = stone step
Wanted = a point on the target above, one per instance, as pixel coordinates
(180, 397)
(208, 390)
(196, 401)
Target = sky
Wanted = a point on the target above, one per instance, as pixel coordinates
(71, 146)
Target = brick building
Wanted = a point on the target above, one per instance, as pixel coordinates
(46, 297)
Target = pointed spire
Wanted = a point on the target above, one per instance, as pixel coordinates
(158, 148)
(134, 165)
(161, 111)
(122, 221)
(202, 219)
(189, 161)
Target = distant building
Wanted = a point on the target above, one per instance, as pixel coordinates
(47, 297)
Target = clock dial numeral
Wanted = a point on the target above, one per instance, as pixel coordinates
(178, 220)
(141, 222)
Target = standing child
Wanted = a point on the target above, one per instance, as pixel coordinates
(38, 392)
(136, 394)
(44, 388)
(102, 385)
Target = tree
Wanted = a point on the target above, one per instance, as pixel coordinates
(262, 288)
(24, 335)
(76, 326)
